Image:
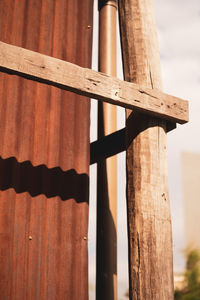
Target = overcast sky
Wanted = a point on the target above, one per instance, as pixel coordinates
(178, 26)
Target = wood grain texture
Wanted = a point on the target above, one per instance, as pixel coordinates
(83, 81)
(149, 220)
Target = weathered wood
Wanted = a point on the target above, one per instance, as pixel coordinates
(149, 221)
(67, 76)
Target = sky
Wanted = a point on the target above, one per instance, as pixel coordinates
(178, 23)
(178, 27)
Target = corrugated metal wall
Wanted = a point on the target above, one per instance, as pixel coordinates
(44, 157)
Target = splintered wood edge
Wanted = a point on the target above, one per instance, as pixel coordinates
(52, 71)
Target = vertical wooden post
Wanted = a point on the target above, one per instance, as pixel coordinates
(106, 280)
(149, 221)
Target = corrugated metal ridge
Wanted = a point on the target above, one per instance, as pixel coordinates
(44, 157)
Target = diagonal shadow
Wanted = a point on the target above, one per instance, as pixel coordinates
(37, 180)
(120, 140)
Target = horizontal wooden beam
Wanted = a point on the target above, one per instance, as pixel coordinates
(70, 77)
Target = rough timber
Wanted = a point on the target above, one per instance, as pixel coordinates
(83, 81)
(148, 209)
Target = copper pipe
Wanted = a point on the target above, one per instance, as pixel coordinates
(106, 280)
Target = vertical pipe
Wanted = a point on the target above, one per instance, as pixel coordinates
(106, 280)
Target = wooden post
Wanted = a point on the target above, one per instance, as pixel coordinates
(149, 221)
(106, 279)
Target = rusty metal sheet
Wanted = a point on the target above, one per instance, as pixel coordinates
(44, 157)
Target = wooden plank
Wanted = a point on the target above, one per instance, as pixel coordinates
(83, 81)
(149, 220)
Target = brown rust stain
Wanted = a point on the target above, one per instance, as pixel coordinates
(44, 157)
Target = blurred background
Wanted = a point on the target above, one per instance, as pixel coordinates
(178, 26)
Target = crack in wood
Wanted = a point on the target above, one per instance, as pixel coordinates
(138, 246)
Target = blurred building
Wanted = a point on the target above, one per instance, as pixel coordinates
(179, 282)
(191, 193)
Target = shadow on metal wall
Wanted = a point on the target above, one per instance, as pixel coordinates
(37, 180)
